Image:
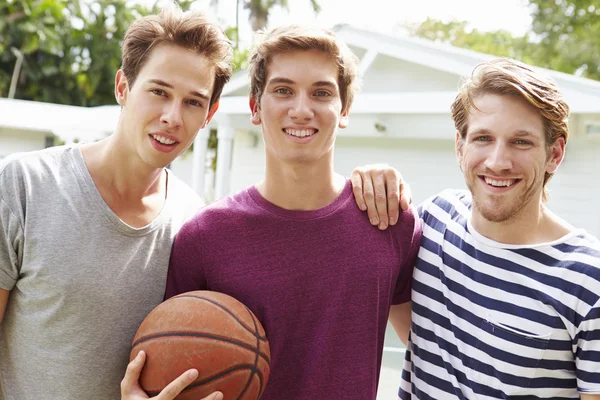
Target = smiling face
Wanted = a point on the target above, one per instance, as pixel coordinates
(300, 108)
(167, 106)
(504, 157)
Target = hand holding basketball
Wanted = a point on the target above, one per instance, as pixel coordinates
(211, 333)
(131, 390)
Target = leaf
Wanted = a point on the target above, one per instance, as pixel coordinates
(31, 44)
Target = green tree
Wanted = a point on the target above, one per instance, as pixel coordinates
(565, 36)
(569, 34)
(70, 49)
(260, 9)
(500, 43)
(67, 52)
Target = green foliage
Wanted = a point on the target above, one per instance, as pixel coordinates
(565, 37)
(570, 35)
(457, 33)
(71, 48)
(260, 9)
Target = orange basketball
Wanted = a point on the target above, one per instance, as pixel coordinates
(209, 331)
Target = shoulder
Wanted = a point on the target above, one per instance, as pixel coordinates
(450, 201)
(25, 171)
(582, 247)
(221, 215)
(33, 161)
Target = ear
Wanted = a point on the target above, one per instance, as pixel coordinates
(458, 148)
(121, 88)
(556, 154)
(211, 113)
(255, 114)
(344, 120)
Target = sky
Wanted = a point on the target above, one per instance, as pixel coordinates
(384, 15)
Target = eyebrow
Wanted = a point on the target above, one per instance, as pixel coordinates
(519, 133)
(291, 82)
(195, 93)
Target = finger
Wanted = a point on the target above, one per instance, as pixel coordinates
(392, 183)
(132, 374)
(405, 194)
(214, 396)
(357, 189)
(380, 199)
(174, 388)
(369, 195)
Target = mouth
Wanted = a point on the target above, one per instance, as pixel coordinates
(498, 182)
(301, 133)
(165, 141)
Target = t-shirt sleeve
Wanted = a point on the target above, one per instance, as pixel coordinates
(11, 232)
(185, 270)
(408, 232)
(588, 351)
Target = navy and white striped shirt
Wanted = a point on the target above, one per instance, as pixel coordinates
(497, 321)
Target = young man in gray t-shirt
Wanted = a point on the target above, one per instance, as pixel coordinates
(86, 231)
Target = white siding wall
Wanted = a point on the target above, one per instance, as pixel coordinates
(17, 141)
(416, 126)
(574, 191)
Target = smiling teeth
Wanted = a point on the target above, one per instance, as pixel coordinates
(299, 133)
(163, 140)
(494, 182)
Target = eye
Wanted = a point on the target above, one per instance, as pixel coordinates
(158, 92)
(322, 93)
(283, 91)
(195, 103)
(482, 139)
(522, 142)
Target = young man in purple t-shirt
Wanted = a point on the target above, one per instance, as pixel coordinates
(295, 248)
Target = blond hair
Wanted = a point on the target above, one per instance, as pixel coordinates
(191, 30)
(293, 37)
(508, 77)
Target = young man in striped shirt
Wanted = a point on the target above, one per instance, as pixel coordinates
(506, 295)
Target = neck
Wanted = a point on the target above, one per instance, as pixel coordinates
(114, 166)
(301, 187)
(534, 224)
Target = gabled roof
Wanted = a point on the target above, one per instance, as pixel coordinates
(68, 122)
(583, 94)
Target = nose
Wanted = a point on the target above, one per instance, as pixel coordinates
(171, 115)
(499, 158)
(301, 109)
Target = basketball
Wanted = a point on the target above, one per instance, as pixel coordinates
(209, 331)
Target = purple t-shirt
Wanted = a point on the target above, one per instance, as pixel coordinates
(321, 282)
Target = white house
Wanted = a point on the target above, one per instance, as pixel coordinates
(401, 117)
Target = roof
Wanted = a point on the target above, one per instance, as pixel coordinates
(68, 122)
(582, 94)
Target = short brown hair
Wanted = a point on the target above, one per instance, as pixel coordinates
(508, 77)
(191, 30)
(294, 37)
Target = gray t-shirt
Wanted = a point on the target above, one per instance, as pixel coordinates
(80, 280)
